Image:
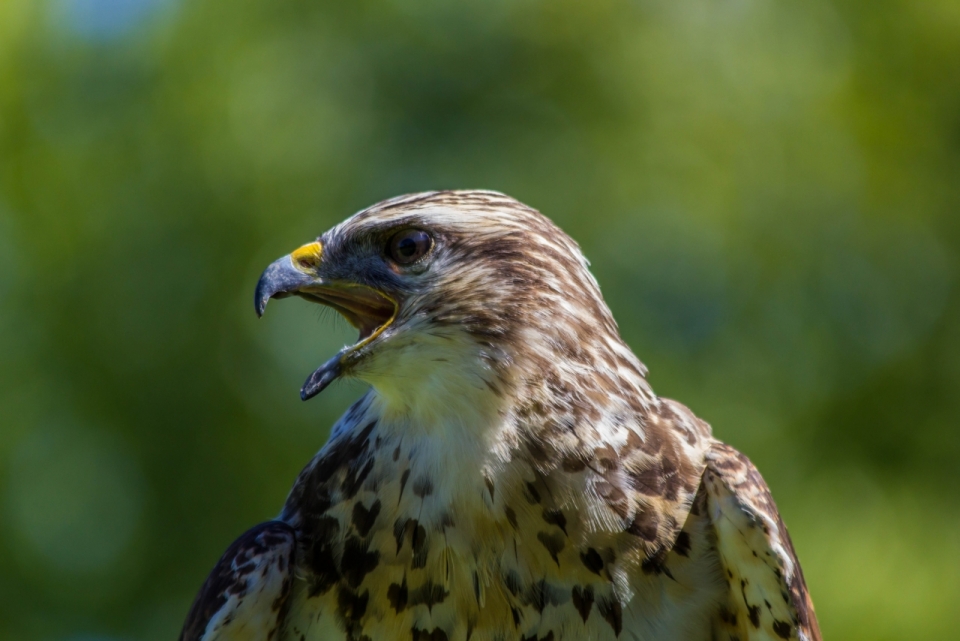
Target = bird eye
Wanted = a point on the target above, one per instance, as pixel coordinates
(409, 246)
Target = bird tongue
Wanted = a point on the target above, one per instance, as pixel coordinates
(323, 376)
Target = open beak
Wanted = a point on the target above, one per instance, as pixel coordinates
(297, 274)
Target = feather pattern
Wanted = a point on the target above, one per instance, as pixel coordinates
(768, 596)
(511, 474)
(246, 594)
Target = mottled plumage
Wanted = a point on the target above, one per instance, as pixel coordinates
(510, 475)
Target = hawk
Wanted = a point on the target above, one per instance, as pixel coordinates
(510, 475)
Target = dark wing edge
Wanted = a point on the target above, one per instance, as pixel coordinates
(248, 590)
(768, 596)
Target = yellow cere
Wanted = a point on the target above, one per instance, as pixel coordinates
(307, 258)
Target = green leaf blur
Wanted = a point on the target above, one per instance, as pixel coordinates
(769, 193)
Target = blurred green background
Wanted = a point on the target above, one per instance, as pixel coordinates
(769, 193)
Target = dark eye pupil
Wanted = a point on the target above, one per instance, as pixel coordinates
(407, 247)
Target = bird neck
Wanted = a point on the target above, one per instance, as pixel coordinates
(437, 385)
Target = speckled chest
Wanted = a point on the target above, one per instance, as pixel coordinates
(392, 549)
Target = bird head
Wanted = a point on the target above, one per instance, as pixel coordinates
(454, 293)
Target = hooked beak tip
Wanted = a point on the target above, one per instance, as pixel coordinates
(280, 279)
(260, 305)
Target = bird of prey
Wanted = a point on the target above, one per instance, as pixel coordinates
(510, 475)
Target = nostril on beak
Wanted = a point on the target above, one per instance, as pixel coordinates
(307, 258)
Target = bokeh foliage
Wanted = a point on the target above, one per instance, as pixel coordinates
(769, 193)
